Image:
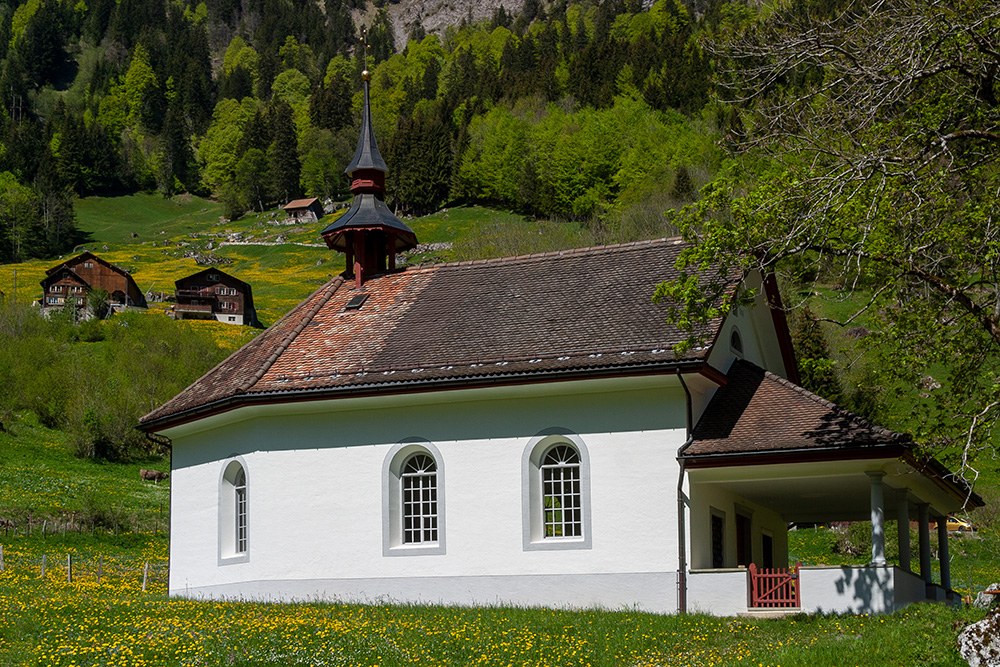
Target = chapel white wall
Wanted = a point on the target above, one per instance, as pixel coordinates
(315, 511)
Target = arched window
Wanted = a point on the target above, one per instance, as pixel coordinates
(413, 500)
(240, 498)
(419, 498)
(555, 492)
(234, 513)
(736, 342)
(562, 514)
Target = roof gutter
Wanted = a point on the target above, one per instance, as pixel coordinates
(800, 454)
(421, 386)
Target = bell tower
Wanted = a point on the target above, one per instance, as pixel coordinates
(369, 234)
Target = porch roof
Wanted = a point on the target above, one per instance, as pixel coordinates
(778, 444)
(758, 411)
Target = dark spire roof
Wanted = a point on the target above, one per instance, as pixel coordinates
(366, 156)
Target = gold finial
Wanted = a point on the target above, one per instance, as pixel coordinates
(366, 75)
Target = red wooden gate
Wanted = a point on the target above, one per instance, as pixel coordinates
(774, 588)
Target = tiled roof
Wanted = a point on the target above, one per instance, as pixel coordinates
(759, 412)
(575, 311)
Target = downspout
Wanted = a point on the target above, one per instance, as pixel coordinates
(681, 523)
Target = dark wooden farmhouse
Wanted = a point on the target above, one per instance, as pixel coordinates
(304, 210)
(75, 278)
(214, 294)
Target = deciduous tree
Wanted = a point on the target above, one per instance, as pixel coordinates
(867, 143)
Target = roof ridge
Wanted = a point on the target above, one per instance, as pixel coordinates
(326, 292)
(567, 252)
(830, 405)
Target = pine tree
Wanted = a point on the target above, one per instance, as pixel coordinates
(818, 371)
(283, 154)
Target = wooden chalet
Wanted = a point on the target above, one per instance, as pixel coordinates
(304, 210)
(76, 277)
(214, 294)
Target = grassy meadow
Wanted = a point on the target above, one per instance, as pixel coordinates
(50, 621)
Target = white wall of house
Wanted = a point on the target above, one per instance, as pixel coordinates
(315, 480)
(229, 318)
(707, 499)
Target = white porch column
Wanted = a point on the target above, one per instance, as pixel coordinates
(943, 556)
(903, 526)
(878, 517)
(923, 515)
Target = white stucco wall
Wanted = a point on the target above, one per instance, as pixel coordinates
(315, 489)
(708, 497)
(756, 328)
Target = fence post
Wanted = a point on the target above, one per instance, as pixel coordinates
(64, 530)
(69, 568)
(43, 566)
(100, 569)
(28, 528)
(145, 575)
(45, 525)
(1, 558)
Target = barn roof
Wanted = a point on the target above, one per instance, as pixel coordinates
(211, 269)
(585, 312)
(300, 203)
(73, 261)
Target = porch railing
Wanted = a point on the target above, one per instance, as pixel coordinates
(774, 588)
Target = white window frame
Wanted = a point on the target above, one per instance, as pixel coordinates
(234, 512)
(533, 510)
(393, 476)
(418, 489)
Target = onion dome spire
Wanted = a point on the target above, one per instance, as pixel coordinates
(369, 234)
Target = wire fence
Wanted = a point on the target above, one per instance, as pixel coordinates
(107, 522)
(84, 569)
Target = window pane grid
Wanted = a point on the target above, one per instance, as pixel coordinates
(561, 493)
(419, 487)
(241, 513)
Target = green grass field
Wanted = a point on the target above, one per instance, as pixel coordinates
(50, 621)
(40, 478)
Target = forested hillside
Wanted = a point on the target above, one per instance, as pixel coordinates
(565, 110)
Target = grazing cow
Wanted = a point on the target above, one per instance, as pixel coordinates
(152, 475)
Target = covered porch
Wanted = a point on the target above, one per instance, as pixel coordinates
(767, 455)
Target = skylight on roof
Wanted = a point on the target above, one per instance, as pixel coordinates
(355, 302)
